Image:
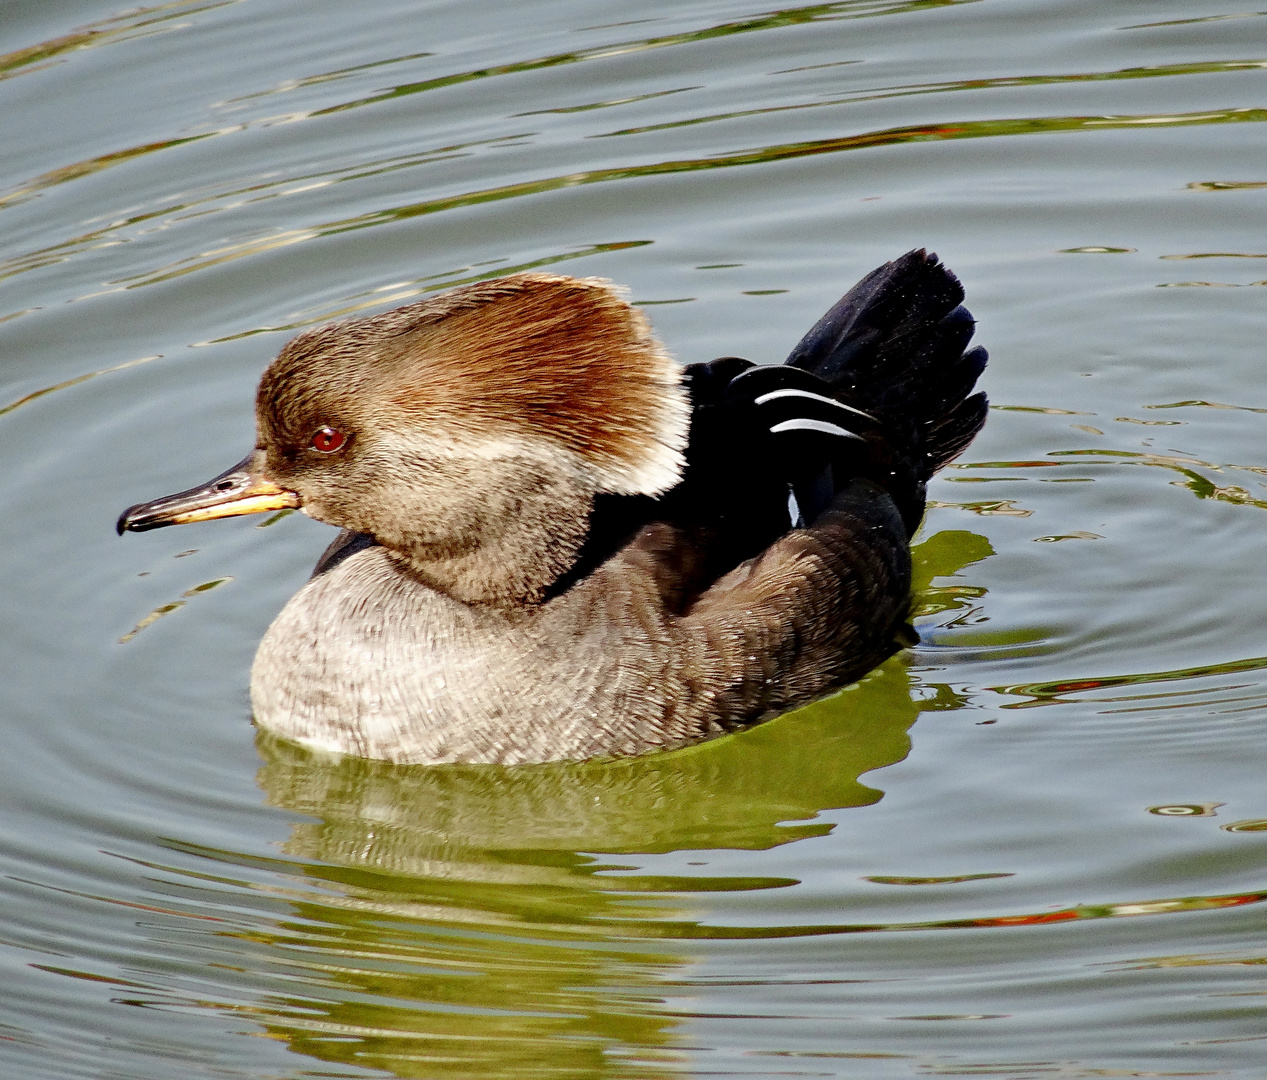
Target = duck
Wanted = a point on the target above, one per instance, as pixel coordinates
(557, 543)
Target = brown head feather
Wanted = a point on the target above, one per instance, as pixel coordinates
(527, 356)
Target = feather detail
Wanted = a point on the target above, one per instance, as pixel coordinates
(531, 355)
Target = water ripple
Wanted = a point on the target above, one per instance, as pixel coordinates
(974, 129)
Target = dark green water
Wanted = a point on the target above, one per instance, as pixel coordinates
(1034, 846)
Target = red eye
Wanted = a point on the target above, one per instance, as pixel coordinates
(328, 440)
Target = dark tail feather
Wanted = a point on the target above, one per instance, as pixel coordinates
(893, 308)
(949, 437)
(894, 347)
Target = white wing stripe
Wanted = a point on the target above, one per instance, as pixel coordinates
(813, 425)
(794, 510)
(774, 395)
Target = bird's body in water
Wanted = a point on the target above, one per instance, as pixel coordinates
(558, 544)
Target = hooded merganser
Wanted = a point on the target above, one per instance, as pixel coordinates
(557, 544)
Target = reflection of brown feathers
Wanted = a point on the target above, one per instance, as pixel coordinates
(565, 358)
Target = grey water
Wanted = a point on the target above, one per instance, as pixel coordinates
(1035, 845)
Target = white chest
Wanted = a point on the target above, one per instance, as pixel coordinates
(365, 660)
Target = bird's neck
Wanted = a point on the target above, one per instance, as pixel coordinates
(506, 560)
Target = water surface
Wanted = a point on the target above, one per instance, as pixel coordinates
(1035, 845)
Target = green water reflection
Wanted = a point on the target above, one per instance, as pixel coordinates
(459, 925)
(404, 819)
(1154, 72)
(968, 129)
(122, 28)
(459, 920)
(774, 20)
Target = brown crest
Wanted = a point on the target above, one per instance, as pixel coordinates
(535, 355)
